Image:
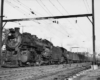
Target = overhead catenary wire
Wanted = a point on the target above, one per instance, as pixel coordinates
(59, 10)
(62, 7)
(13, 6)
(20, 10)
(64, 10)
(53, 27)
(17, 9)
(55, 7)
(86, 6)
(43, 8)
(62, 14)
(69, 21)
(24, 14)
(50, 12)
(19, 2)
(26, 7)
(46, 8)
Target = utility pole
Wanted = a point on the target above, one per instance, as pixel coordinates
(93, 33)
(1, 24)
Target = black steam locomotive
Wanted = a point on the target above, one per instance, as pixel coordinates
(28, 50)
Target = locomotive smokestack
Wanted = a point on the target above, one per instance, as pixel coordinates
(11, 30)
(17, 29)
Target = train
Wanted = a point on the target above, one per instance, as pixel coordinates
(25, 49)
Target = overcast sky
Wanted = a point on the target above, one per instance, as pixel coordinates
(74, 32)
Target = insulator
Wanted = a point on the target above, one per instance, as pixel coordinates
(32, 12)
(76, 21)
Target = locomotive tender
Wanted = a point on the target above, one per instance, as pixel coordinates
(28, 50)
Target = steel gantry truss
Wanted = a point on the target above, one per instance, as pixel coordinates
(44, 18)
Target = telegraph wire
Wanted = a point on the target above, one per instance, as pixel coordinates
(52, 14)
(49, 11)
(46, 7)
(55, 7)
(43, 7)
(38, 22)
(64, 10)
(24, 14)
(15, 7)
(20, 8)
(32, 11)
(62, 6)
(68, 13)
(60, 31)
(86, 6)
(59, 11)
(27, 7)
(62, 13)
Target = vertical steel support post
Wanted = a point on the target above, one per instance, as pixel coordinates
(1, 24)
(93, 33)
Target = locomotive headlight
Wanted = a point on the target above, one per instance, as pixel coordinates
(9, 34)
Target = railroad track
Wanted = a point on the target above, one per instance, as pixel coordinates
(64, 74)
(51, 72)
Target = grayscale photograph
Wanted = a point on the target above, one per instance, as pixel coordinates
(49, 40)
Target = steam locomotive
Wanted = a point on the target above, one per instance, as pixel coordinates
(28, 50)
